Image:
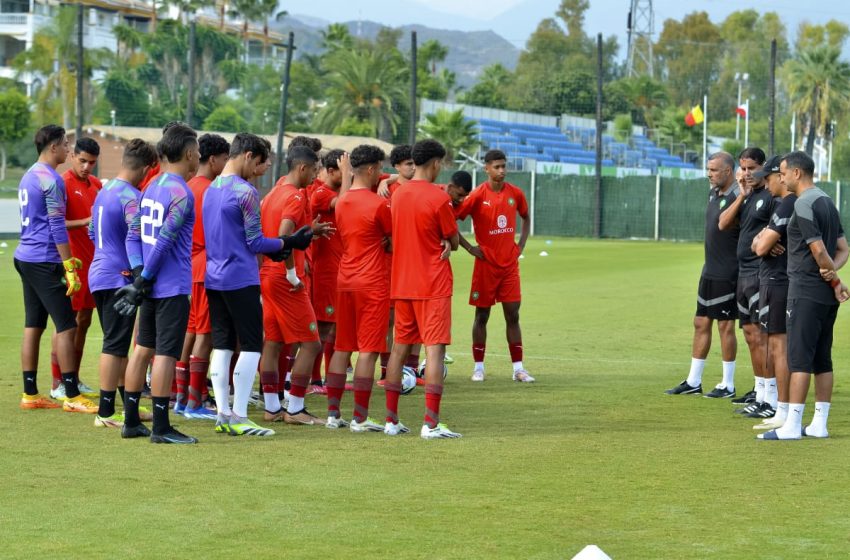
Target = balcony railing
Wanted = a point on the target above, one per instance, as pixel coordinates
(13, 19)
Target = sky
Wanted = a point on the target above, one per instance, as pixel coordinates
(515, 20)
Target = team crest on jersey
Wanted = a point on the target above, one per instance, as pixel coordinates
(329, 310)
(502, 221)
(312, 326)
(475, 295)
(510, 203)
(722, 202)
(759, 204)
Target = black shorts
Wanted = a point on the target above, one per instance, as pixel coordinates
(162, 325)
(117, 328)
(747, 297)
(716, 299)
(44, 294)
(236, 314)
(809, 325)
(773, 300)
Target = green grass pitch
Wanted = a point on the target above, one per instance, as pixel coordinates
(594, 452)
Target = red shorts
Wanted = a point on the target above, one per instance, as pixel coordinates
(83, 299)
(324, 297)
(287, 316)
(426, 321)
(361, 321)
(199, 311)
(491, 284)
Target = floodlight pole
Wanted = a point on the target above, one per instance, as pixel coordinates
(284, 97)
(80, 18)
(597, 208)
(413, 87)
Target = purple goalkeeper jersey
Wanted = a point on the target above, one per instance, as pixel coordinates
(233, 234)
(41, 196)
(162, 232)
(115, 208)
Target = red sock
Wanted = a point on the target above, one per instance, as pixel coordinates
(181, 380)
(174, 386)
(54, 370)
(298, 384)
(433, 394)
(197, 381)
(413, 361)
(316, 375)
(328, 351)
(385, 359)
(269, 381)
(478, 352)
(362, 394)
(516, 351)
(335, 383)
(393, 392)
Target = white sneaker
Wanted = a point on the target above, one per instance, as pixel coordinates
(395, 429)
(335, 423)
(441, 431)
(769, 424)
(523, 376)
(87, 391)
(367, 425)
(59, 393)
(478, 375)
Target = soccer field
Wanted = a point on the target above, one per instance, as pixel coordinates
(594, 452)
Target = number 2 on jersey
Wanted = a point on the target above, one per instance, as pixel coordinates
(152, 212)
(23, 199)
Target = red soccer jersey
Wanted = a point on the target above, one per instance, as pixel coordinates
(284, 202)
(80, 199)
(199, 185)
(363, 223)
(422, 218)
(152, 173)
(494, 220)
(325, 252)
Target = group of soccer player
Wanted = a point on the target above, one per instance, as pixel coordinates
(773, 246)
(338, 258)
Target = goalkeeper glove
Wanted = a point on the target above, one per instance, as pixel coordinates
(72, 279)
(130, 296)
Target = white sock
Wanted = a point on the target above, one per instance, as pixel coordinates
(517, 366)
(771, 395)
(818, 426)
(479, 366)
(781, 413)
(793, 423)
(272, 401)
(296, 404)
(759, 389)
(220, 375)
(695, 375)
(729, 375)
(243, 381)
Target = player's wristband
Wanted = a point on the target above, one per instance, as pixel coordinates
(835, 282)
(292, 277)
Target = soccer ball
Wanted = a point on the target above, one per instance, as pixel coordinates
(421, 372)
(408, 380)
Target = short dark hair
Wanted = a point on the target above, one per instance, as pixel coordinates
(331, 159)
(494, 155)
(463, 180)
(138, 154)
(726, 157)
(212, 145)
(47, 135)
(246, 142)
(172, 146)
(87, 145)
(755, 154)
(366, 154)
(170, 124)
(300, 154)
(399, 154)
(425, 150)
(800, 160)
(313, 143)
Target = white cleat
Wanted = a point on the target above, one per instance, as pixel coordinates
(367, 425)
(335, 423)
(395, 429)
(522, 376)
(441, 431)
(769, 424)
(478, 375)
(59, 393)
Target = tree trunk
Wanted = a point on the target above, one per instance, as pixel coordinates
(813, 120)
(2, 162)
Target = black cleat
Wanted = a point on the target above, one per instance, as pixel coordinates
(720, 392)
(172, 436)
(746, 410)
(134, 431)
(764, 411)
(684, 389)
(747, 398)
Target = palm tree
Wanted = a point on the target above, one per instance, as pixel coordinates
(452, 130)
(646, 95)
(819, 86)
(366, 85)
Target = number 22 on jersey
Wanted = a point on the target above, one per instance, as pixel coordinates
(151, 220)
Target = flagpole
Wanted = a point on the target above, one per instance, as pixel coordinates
(747, 123)
(705, 133)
